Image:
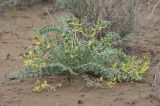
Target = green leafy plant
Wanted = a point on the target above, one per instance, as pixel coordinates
(75, 50)
(131, 69)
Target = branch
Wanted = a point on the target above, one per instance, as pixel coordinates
(154, 8)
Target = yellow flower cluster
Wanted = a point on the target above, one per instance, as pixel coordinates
(39, 87)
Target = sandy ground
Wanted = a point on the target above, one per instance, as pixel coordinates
(16, 33)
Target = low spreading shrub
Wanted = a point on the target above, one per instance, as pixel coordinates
(75, 50)
(121, 13)
(88, 9)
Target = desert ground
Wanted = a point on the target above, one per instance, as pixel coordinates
(16, 33)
